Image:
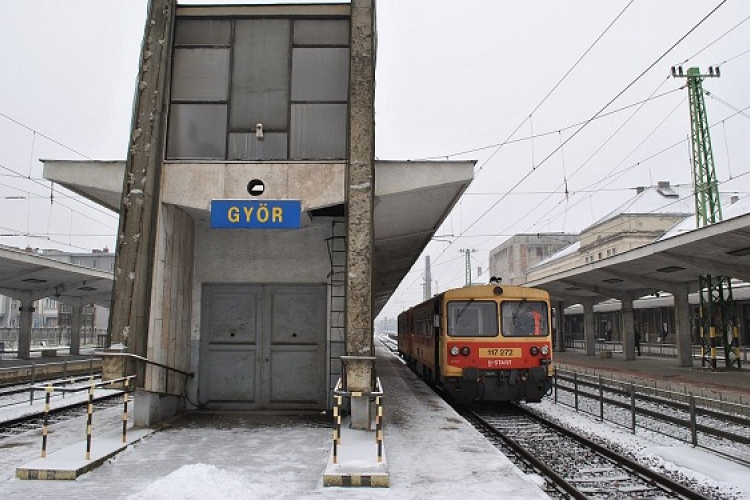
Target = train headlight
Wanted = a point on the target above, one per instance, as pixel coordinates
(454, 351)
(545, 350)
(465, 351)
(534, 351)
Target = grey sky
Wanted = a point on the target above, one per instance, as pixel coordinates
(451, 76)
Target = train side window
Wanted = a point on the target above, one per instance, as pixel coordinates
(472, 318)
(524, 319)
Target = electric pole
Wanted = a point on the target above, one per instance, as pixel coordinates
(716, 304)
(468, 252)
(427, 289)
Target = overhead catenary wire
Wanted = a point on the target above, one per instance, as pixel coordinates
(539, 135)
(585, 124)
(582, 127)
(714, 41)
(613, 175)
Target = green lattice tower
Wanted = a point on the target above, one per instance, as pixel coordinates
(716, 303)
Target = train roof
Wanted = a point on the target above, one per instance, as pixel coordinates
(487, 291)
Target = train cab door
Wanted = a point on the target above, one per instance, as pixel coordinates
(438, 341)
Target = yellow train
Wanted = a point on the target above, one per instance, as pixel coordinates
(481, 343)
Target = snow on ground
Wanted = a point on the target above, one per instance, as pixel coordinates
(432, 454)
(726, 479)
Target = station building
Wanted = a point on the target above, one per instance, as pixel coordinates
(258, 235)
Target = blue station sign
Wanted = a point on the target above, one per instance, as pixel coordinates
(256, 214)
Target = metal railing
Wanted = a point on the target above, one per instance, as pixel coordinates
(339, 394)
(91, 387)
(32, 373)
(54, 336)
(147, 361)
(659, 349)
(645, 405)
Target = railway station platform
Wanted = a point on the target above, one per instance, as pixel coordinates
(663, 372)
(431, 453)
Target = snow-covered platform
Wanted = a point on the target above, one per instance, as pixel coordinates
(71, 462)
(431, 453)
(725, 385)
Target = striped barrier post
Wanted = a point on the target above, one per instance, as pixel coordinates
(33, 381)
(736, 345)
(336, 429)
(47, 397)
(125, 413)
(89, 421)
(713, 347)
(379, 427)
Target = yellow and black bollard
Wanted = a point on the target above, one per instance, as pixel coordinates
(125, 413)
(89, 422)
(712, 331)
(336, 429)
(379, 427)
(47, 397)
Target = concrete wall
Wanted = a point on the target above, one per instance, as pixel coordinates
(193, 186)
(255, 256)
(171, 304)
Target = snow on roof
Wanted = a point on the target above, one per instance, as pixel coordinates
(741, 206)
(568, 250)
(662, 199)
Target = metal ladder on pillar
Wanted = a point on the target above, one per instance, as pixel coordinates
(337, 299)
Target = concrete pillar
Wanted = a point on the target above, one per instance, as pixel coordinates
(75, 330)
(24, 328)
(360, 188)
(560, 327)
(589, 333)
(131, 297)
(684, 335)
(627, 321)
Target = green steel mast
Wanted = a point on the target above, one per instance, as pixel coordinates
(716, 303)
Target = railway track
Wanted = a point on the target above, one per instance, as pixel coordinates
(571, 465)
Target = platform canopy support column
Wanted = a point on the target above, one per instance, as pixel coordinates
(360, 189)
(684, 331)
(560, 326)
(628, 328)
(24, 327)
(75, 329)
(589, 334)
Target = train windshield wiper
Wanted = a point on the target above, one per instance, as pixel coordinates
(463, 309)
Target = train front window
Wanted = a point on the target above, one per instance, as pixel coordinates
(472, 318)
(525, 319)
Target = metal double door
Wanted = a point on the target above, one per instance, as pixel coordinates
(263, 347)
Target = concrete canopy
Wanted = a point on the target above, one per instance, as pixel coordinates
(722, 249)
(31, 277)
(411, 199)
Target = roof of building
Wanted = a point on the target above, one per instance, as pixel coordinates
(741, 206)
(662, 199)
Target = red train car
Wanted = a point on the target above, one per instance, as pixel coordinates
(481, 343)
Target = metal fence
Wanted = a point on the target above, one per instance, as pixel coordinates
(647, 348)
(51, 337)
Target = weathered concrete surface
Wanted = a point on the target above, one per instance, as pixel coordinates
(360, 179)
(360, 188)
(316, 184)
(135, 249)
